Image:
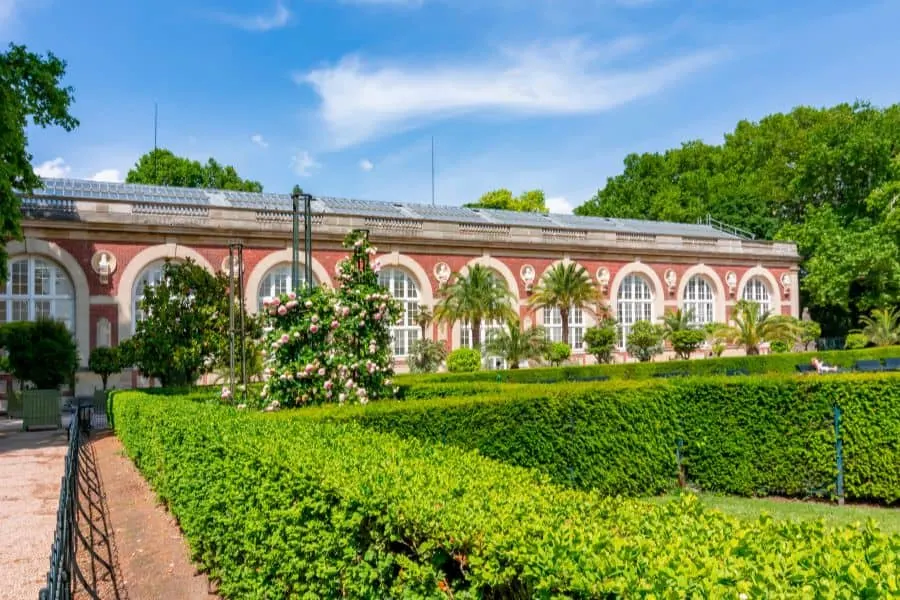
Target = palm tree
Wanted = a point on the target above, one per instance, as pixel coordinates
(752, 327)
(424, 318)
(565, 286)
(882, 327)
(476, 297)
(515, 345)
(676, 320)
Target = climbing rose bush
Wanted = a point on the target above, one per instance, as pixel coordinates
(324, 345)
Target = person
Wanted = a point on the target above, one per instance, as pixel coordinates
(821, 367)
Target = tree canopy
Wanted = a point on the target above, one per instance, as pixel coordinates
(30, 92)
(826, 178)
(503, 199)
(162, 167)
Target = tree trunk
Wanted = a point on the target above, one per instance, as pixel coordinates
(752, 350)
(514, 365)
(564, 317)
(476, 334)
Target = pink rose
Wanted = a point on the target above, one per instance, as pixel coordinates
(322, 372)
(377, 316)
(282, 310)
(308, 304)
(345, 311)
(275, 301)
(285, 339)
(334, 324)
(315, 318)
(328, 385)
(292, 295)
(313, 328)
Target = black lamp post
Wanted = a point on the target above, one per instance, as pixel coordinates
(307, 213)
(295, 254)
(296, 195)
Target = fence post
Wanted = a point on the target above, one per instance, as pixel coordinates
(679, 446)
(839, 454)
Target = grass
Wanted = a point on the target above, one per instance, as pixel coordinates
(888, 519)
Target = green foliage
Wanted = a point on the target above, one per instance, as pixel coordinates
(826, 178)
(327, 345)
(185, 332)
(425, 356)
(645, 340)
(779, 347)
(41, 352)
(600, 340)
(565, 286)
(515, 345)
(882, 327)
(810, 332)
(753, 327)
(557, 353)
(686, 341)
(285, 507)
(31, 95)
(856, 341)
(475, 297)
(105, 362)
(503, 199)
(464, 360)
(162, 167)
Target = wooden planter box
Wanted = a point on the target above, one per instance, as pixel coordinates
(41, 408)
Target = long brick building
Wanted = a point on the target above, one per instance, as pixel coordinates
(90, 248)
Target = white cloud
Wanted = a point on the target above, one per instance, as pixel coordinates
(559, 205)
(303, 164)
(111, 175)
(360, 101)
(259, 140)
(366, 164)
(278, 18)
(53, 168)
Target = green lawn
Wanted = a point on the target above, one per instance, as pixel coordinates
(888, 519)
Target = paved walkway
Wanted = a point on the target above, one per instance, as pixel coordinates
(31, 467)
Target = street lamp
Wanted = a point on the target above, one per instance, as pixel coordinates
(295, 255)
(296, 195)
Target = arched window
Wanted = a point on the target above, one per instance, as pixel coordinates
(634, 302)
(37, 288)
(699, 301)
(403, 288)
(757, 290)
(277, 281)
(553, 326)
(149, 277)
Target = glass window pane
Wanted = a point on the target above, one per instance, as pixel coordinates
(20, 310)
(63, 284)
(41, 278)
(19, 278)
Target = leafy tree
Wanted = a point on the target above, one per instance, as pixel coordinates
(425, 356)
(676, 320)
(464, 360)
(42, 352)
(186, 330)
(686, 341)
(503, 199)
(162, 167)
(424, 318)
(514, 344)
(810, 332)
(105, 362)
(30, 93)
(557, 352)
(882, 327)
(645, 340)
(565, 286)
(601, 340)
(752, 327)
(856, 341)
(475, 297)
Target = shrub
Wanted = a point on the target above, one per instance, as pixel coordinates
(645, 340)
(281, 507)
(856, 341)
(105, 362)
(810, 332)
(557, 353)
(779, 347)
(425, 356)
(686, 341)
(464, 360)
(41, 352)
(600, 341)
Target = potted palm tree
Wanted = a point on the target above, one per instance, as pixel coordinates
(515, 345)
(566, 286)
(753, 327)
(476, 297)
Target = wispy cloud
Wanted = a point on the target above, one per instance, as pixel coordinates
(259, 140)
(559, 205)
(360, 101)
(53, 168)
(303, 164)
(366, 164)
(279, 17)
(111, 175)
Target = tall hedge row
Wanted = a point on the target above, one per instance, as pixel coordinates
(748, 436)
(762, 364)
(294, 508)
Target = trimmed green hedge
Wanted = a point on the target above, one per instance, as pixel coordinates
(740, 435)
(293, 508)
(769, 363)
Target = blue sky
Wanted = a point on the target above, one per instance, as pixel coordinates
(344, 96)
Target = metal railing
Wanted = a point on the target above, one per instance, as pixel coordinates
(62, 554)
(726, 228)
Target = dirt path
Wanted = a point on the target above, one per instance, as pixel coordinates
(31, 466)
(146, 558)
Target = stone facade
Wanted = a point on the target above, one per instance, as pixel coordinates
(106, 245)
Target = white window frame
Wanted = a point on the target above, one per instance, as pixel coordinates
(552, 320)
(270, 287)
(757, 290)
(699, 301)
(404, 289)
(634, 302)
(29, 298)
(150, 275)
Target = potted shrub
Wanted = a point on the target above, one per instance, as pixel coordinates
(43, 355)
(104, 362)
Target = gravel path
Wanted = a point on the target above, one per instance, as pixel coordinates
(31, 467)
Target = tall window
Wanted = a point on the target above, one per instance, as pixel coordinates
(553, 326)
(699, 301)
(634, 303)
(757, 290)
(149, 277)
(403, 288)
(488, 328)
(277, 281)
(37, 288)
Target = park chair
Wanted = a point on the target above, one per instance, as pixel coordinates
(590, 378)
(806, 368)
(868, 366)
(892, 364)
(733, 372)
